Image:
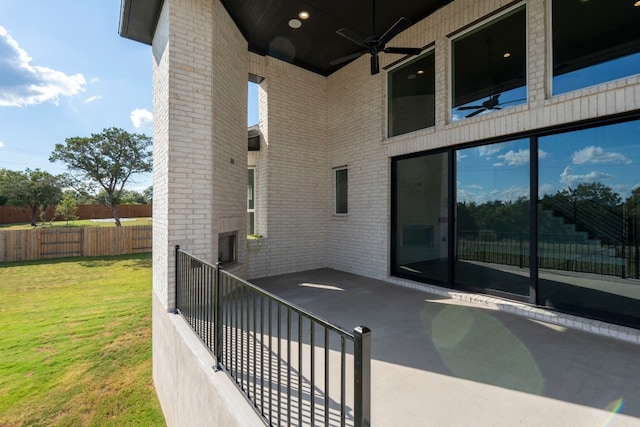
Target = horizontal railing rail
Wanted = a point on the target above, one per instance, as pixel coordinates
(573, 253)
(294, 367)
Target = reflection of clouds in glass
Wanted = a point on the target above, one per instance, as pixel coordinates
(517, 158)
(514, 158)
(546, 189)
(593, 154)
(489, 150)
(473, 193)
(567, 178)
(460, 156)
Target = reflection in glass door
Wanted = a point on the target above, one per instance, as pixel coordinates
(492, 218)
(420, 243)
(588, 204)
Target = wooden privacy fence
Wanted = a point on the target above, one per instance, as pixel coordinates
(11, 215)
(22, 245)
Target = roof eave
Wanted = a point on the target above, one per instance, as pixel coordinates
(138, 19)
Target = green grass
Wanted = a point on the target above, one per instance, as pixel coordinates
(78, 223)
(75, 343)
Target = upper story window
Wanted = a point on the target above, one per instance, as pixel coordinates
(412, 95)
(594, 42)
(489, 66)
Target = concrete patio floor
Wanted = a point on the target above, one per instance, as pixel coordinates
(438, 361)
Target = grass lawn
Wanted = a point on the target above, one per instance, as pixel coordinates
(75, 343)
(78, 223)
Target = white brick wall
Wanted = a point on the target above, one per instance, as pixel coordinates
(356, 105)
(200, 138)
(291, 177)
(310, 125)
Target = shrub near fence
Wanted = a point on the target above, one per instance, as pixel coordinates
(22, 245)
(11, 215)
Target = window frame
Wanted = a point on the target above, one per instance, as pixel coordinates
(477, 26)
(337, 190)
(427, 50)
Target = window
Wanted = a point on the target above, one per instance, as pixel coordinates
(251, 212)
(227, 247)
(594, 42)
(489, 66)
(412, 95)
(341, 190)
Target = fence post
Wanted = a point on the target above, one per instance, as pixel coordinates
(175, 310)
(217, 323)
(362, 376)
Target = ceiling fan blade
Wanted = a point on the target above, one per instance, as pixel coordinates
(346, 58)
(400, 25)
(375, 64)
(353, 36)
(403, 50)
(475, 113)
(470, 107)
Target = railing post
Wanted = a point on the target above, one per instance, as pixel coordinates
(362, 376)
(217, 323)
(176, 274)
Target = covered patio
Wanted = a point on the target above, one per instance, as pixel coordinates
(442, 361)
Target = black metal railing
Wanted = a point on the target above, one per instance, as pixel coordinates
(574, 253)
(294, 367)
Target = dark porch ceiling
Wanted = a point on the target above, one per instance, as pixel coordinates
(265, 25)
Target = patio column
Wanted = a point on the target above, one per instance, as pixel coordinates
(200, 137)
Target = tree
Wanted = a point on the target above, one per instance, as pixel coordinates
(34, 190)
(104, 162)
(132, 197)
(67, 208)
(148, 194)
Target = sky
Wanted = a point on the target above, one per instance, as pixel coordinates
(65, 72)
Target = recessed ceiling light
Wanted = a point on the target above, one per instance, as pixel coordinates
(295, 23)
(637, 4)
(506, 55)
(303, 14)
(420, 71)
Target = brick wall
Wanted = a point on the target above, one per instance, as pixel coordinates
(200, 95)
(356, 125)
(311, 125)
(292, 181)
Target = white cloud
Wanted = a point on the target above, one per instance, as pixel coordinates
(489, 150)
(1, 144)
(141, 117)
(567, 178)
(593, 154)
(545, 189)
(22, 83)
(92, 98)
(517, 158)
(514, 158)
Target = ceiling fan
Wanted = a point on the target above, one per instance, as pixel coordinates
(374, 44)
(493, 103)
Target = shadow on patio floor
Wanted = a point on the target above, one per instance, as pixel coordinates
(438, 361)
